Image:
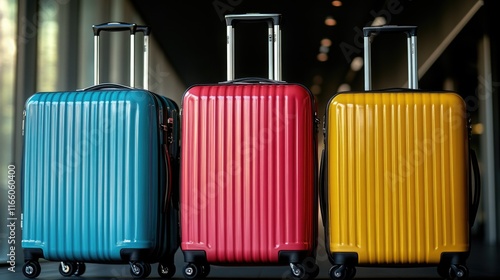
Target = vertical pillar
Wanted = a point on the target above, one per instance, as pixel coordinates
(25, 86)
(485, 95)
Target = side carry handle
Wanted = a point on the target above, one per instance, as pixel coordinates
(474, 204)
(411, 34)
(322, 193)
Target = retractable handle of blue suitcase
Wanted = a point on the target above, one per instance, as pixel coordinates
(133, 29)
(274, 39)
(411, 34)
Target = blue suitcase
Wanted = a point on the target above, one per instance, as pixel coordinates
(101, 176)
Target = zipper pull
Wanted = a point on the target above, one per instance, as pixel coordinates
(170, 130)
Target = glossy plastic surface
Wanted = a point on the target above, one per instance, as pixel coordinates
(397, 167)
(248, 169)
(94, 181)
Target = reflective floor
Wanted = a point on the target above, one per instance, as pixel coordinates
(484, 263)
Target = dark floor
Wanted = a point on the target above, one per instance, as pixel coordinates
(484, 263)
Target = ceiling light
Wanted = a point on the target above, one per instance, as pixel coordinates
(322, 57)
(379, 21)
(336, 3)
(330, 21)
(449, 84)
(477, 128)
(357, 63)
(344, 87)
(326, 42)
(315, 89)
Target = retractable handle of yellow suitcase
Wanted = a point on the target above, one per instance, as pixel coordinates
(133, 29)
(274, 38)
(411, 34)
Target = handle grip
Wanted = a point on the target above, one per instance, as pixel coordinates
(271, 19)
(114, 26)
(253, 80)
(144, 29)
(408, 30)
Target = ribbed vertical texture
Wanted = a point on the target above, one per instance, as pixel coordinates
(397, 176)
(247, 172)
(91, 174)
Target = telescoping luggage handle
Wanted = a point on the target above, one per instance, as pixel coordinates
(274, 38)
(132, 28)
(411, 33)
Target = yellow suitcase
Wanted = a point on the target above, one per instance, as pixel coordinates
(395, 177)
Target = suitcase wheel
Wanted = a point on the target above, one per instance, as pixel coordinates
(301, 272)
(166, 270)
(140, 269)
(205, 269)
(80, 269)
(196, 271)
(455, 272)
(342, 272)
(67, 269)
(31, 269)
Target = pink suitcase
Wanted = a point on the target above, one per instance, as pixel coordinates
(248, 170)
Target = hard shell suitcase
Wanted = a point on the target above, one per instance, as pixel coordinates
(395, 180)
(248, 169)
(99, 181)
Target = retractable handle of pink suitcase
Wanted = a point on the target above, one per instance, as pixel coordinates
(274, 39)
(132, 28)
(411, 35)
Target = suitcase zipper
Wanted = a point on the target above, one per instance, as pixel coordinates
(168, 128)
(316, 122)
(24, 118)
